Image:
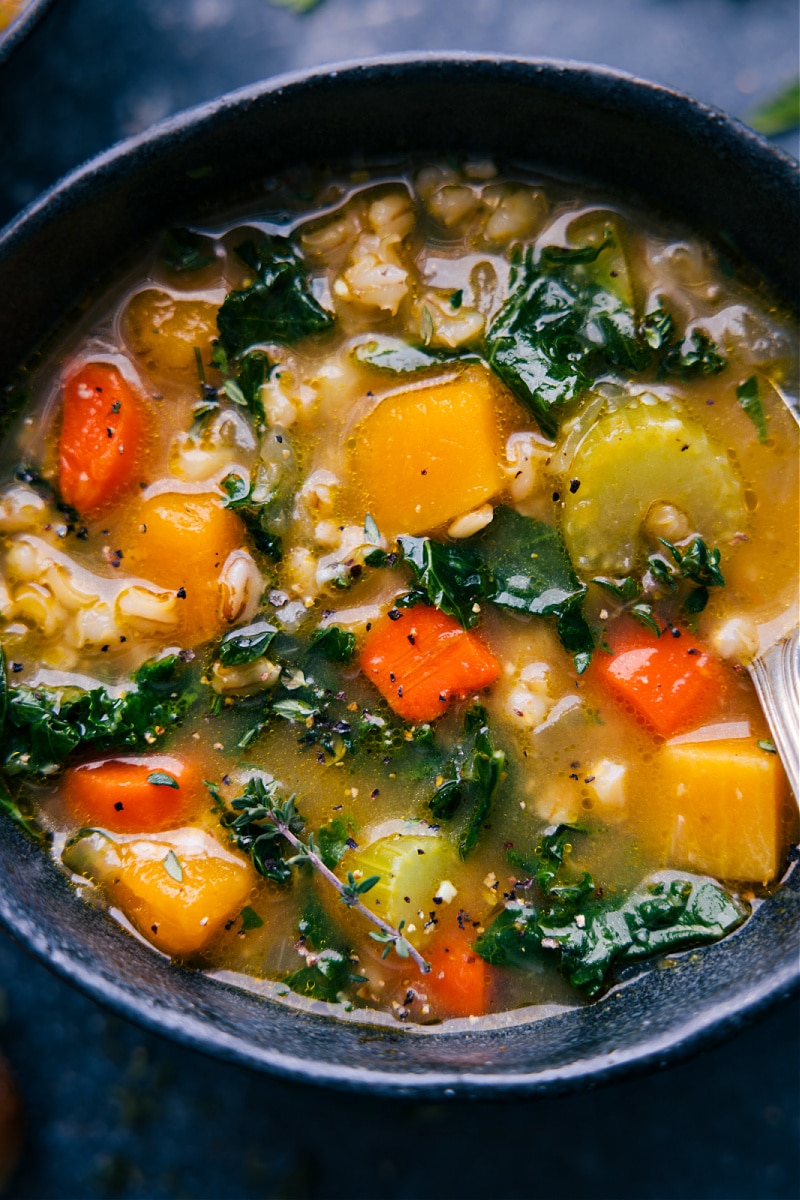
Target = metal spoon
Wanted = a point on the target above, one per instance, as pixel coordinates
(776, 676)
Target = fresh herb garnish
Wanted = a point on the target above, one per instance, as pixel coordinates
(260, 822)
(277, 307)
(162, 779)
(749, 398)
(173, 867)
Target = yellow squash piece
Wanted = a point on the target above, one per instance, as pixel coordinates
(181, 541)
(721, 810)
(635, 457)
(178, 888)
(426, 456)
(165, 332)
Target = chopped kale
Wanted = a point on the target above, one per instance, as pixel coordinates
(397, 357)
(530, 571)
(515, 563)
(749, 398)
(247, 644)
(250, 919)
(669, 910)
(184, 251)
(334, 643)
(259, 516)
(561, 328)
(471, 779)
(695, 356)
(333, 839)
(44, 725)
(326, 976)
(451, 578)
(277, 307)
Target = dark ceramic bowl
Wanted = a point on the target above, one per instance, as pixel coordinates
(651, 146)
(19, 29)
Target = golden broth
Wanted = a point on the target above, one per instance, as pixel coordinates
(168, 561)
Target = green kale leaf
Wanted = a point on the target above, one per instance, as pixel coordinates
(334, 643)
(277, 307)
(396, 356)
(749, 398)
(559, 329)
(471, 779)
(562, 327)
(669, 910)
(450, 577)
(44, 725)
(184, 251)
(245, 645)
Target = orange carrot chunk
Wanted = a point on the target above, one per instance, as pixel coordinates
(102, 430)
(420, 658)
(133, 795)
(672, 682)
(459, 980)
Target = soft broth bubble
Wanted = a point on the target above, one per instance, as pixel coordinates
(467, 701)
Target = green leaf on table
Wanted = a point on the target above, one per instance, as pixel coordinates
(779, 113)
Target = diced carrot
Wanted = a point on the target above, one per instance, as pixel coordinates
(420, 658)
(102, 431)
(117, 793)
(459, 980)
(672, 682)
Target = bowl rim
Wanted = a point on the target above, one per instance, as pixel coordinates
(19, 29)
(712, 1023)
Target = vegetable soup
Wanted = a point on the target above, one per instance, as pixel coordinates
(380, 571)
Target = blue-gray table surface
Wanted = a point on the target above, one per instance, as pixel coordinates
(115, 1111)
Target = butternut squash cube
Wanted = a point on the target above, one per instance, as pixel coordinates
(722, 809)
(178, 888)
(426, 456)
(181, 542)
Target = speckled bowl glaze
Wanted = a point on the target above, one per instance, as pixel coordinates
(655, 148)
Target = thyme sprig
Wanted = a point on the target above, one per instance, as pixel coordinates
(259, 817)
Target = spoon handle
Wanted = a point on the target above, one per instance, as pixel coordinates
(776, 675)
